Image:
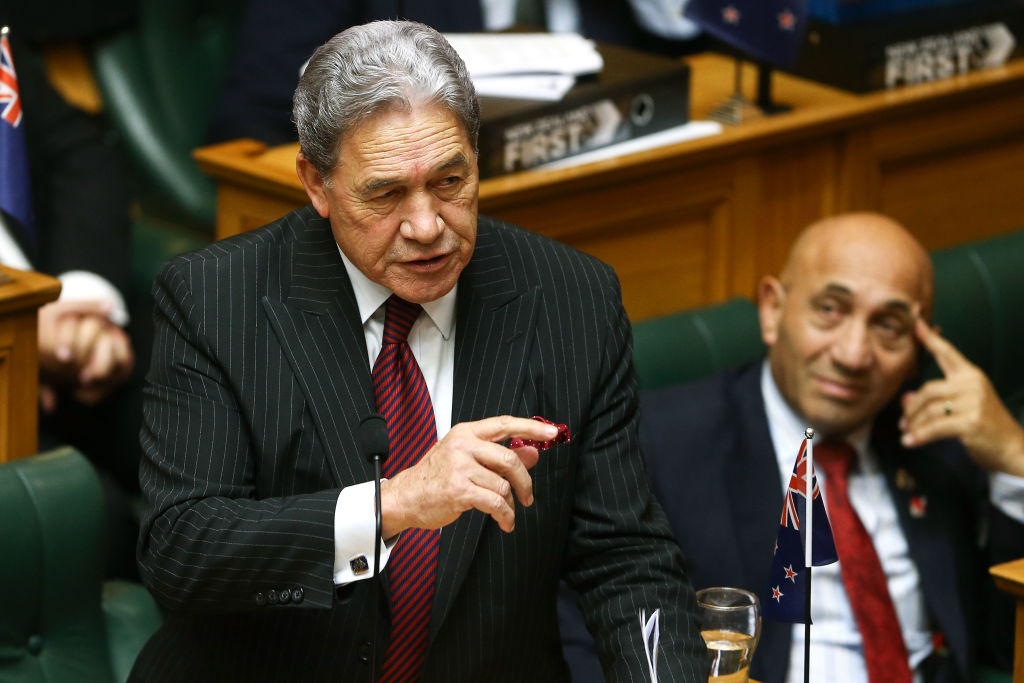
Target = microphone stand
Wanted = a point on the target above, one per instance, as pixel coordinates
(375, 585)
(373, 441)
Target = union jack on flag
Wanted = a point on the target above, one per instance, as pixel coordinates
(11, 103)
(15, 197)
(784, 599)
(797, 485)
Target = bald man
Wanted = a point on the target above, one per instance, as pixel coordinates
(935, 473)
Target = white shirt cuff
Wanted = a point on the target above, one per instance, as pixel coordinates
(81, 285)
(1007, 493)
(354, 530)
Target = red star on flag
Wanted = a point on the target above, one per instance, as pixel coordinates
(790, 574)
(777, 594)
(731, 15)
(787, 20)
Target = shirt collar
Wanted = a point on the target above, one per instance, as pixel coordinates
(370, 296)
(787, 428)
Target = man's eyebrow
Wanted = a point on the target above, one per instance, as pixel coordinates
(378, 184)
(892, 304)
(834, 288)
(900, 305)
(458, 160)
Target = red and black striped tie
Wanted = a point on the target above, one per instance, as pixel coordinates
(403, 400)
(885, 652)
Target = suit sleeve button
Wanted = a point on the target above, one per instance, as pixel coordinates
(272, 596)
(285, 596)
(261, 600)
(297, 595)
(364, 651)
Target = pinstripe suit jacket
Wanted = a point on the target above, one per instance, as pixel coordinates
(258, 382)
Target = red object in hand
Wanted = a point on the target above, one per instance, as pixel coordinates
(561, 437)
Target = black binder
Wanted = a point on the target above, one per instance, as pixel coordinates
(912, 47)
(635, 94)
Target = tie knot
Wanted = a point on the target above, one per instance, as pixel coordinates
(835, 458)
(399, 318)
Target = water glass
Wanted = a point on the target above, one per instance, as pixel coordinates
(731, 625)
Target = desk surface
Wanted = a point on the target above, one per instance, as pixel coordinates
(699, 221)
(1009, 577)
(816, 107)
(22, 289)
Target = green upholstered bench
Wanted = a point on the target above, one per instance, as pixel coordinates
(59, 623)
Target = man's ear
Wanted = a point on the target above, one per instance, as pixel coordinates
(313, 183)
(771, 298)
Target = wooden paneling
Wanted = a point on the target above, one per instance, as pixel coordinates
(21, 294)
(698, 222)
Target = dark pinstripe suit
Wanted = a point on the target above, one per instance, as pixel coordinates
(259, 380)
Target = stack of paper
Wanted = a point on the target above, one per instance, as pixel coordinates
(536, 66)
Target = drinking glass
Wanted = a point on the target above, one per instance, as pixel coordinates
(730, 621)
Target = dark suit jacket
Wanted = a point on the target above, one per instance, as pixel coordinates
(713, 467)
(258, 383)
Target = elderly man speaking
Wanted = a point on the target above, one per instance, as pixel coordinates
(390, 294)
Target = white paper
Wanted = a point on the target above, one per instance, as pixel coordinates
(547, 87)
(687, 131)
(651, 631)
(489, 54)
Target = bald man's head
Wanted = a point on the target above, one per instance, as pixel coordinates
(839, 320)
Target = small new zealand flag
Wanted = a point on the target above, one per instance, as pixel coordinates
(784, 599)
(15, 198)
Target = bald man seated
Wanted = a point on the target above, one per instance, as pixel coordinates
(927, 478)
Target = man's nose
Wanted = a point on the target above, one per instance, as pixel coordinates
(421, 221)
(852, 349)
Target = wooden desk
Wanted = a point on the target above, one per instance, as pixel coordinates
(20, 297)
(1009, 577)
(700, 221)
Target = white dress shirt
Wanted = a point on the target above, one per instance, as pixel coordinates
(432, 341)
(76, 285)
(836, 654)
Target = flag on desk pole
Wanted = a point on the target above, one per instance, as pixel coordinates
(768, 30)
(788, 580)
(15, 196)
(804, 541)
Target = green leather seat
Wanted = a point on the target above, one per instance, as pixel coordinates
(159, 80)
(58, 622)
(685, 346)
(979, 303)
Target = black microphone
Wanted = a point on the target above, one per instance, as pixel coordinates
(373, 442)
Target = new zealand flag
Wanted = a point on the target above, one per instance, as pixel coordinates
(15, 197)
(784, 598)
(769, 30)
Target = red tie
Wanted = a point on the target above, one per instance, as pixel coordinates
(884, 650)
(403, 400)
